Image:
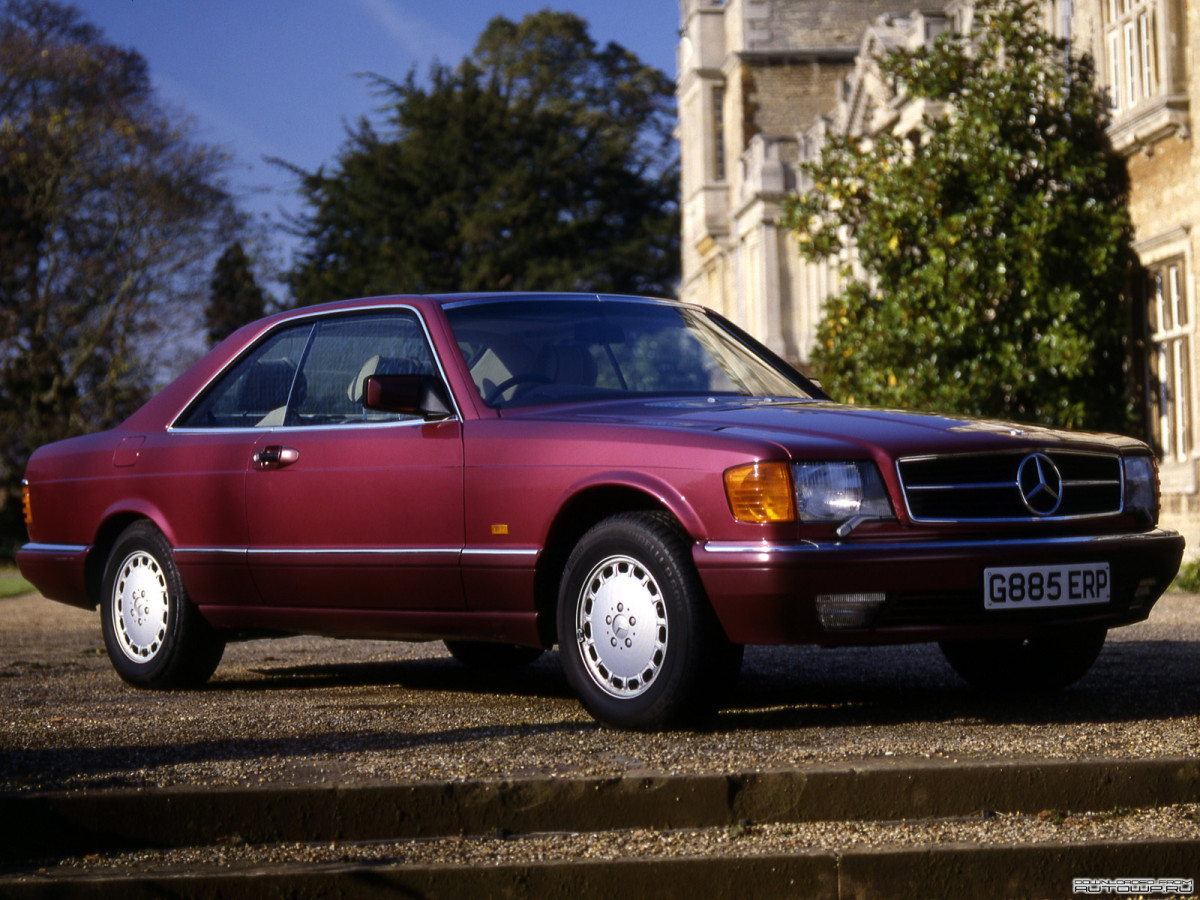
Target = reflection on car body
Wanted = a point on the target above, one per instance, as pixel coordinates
(636, 481)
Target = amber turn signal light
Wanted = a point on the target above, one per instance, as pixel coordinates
(26, 505)
(761, 492)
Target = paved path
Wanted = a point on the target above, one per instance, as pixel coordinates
(306, 717)
(309, 710)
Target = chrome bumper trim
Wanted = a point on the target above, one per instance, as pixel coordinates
(55, 548)
(969, 545)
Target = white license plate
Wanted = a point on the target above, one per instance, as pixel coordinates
(1034, 587)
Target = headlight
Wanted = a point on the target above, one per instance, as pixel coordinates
(1141, 486)
(839, 491)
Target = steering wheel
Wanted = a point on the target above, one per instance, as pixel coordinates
(520, 378)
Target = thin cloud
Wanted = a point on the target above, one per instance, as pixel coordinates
(417, 37)
(237, 136)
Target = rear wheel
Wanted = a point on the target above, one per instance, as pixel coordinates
(154, 634)
(639, 642)
(1048, 662)
(492, 657)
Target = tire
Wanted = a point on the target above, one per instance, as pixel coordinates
(1040, 664)
(154, 634)
(487, 657)
(639, 643)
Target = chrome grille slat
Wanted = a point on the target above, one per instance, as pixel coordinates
(984, 487)
(954, 487)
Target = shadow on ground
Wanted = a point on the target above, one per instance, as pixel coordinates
(805, 687)
(863, 692)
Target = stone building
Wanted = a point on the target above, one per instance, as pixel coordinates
(761, 81)
(754, 77)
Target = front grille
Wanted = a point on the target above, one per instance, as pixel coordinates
(1008, 487)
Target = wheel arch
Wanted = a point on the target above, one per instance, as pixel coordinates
(582, 510)
(110, 529)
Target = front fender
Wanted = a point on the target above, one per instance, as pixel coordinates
(655, 487)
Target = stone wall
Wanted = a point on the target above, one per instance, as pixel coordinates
(786, 98)
(813, 24)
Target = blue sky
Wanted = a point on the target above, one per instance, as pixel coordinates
(266, 78)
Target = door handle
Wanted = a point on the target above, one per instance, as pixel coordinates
(275, 456)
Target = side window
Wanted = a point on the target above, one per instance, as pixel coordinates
(254, 393)
(343, 353)
(313, 374)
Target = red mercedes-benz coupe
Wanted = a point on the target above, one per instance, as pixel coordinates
(636, 481)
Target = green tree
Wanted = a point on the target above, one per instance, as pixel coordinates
(234, 297)
(542, 162)
(995, 240)
(108, 213)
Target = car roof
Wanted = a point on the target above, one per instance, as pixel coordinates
(451, 299)
(446, 300)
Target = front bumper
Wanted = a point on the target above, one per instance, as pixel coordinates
(765, 593)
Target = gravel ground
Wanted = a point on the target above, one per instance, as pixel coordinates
(313, 710)
(743, 840)
(304, 711)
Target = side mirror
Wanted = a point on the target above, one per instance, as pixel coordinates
(412, 395)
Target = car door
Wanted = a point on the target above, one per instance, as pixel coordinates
(196, 472)
(350, 508)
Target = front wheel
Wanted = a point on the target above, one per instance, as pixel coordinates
(1048, 663)
(639, 642)
(154, 634)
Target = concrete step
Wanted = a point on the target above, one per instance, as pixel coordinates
(34, 826)
(1042, 871)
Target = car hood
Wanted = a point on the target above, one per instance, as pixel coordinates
(803, 427)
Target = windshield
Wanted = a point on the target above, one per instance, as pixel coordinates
(533, 352)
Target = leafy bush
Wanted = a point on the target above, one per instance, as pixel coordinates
(993, 241)
(1188, 578)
